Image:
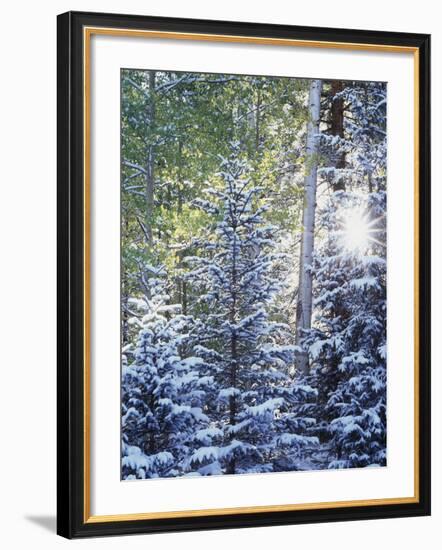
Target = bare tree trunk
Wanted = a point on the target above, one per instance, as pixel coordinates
(124, 312)
(304, 305)
(181, 281)
(258, 120)
(337, 129)
(150, 161)
(124, 292)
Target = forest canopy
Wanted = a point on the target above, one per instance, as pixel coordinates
(253, 278)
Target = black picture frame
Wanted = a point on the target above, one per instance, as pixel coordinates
(72, 520)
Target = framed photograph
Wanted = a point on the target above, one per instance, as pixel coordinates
(243, 274)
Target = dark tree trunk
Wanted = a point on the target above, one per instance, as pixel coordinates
(181, 283)
(124, 292)
(180, 177)
(337, 129)
(124, 316)
(150, 160)
(184, 297)
(258, 121)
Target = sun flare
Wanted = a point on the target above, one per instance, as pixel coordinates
(358, 231)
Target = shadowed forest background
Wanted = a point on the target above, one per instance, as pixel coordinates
(253, 274)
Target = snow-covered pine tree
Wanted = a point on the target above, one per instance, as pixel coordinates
(163, 394)
(253, 424)
(348, 342)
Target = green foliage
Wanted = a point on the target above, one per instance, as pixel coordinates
(178, 125)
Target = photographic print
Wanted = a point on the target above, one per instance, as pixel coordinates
(233, 201)
(253, 274)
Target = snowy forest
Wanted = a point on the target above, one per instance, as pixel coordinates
(253, 274)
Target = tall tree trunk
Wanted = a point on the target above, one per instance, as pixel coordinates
(181, 280)
(150, 160)
(258, 120)
(124, 290)
(124, 313)
(180, 176)
(337, 129)
(304, 305)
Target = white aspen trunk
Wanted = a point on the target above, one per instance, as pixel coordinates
(304, 304)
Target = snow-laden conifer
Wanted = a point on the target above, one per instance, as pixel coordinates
(348, 344)
(253, 399)
(163, 393)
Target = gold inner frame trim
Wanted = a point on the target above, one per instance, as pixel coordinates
(134, 33)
